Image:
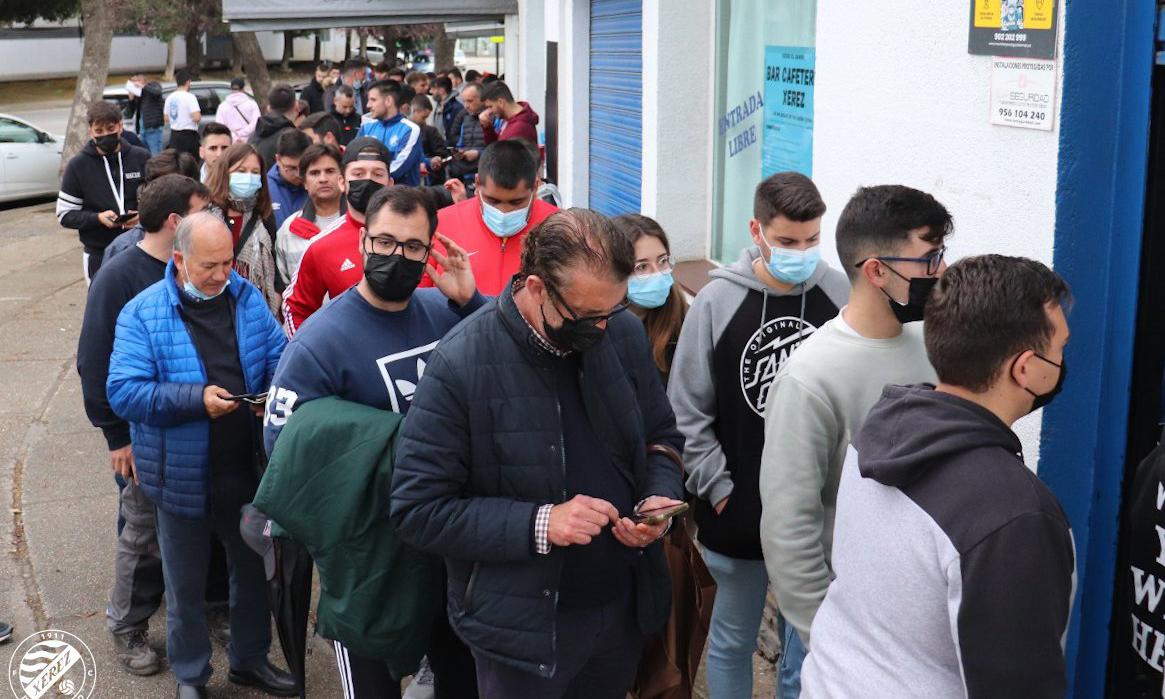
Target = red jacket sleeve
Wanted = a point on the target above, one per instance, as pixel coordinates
(305, 294)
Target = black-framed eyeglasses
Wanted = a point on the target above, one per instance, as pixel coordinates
(933, 260)
(413, 250)
(588, 320)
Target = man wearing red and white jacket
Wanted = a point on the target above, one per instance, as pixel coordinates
(491, 226)
(324, 210)
(518, 119)
(332, 264)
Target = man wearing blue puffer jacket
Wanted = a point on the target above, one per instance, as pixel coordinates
(401, 136)
(184, 350)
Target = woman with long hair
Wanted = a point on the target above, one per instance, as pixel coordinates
(654, 297)
(238, 193)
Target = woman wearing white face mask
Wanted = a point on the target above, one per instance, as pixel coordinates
(654, 297)
(238, 193)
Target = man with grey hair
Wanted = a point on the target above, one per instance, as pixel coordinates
(192, 355)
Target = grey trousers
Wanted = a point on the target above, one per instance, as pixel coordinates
(137, 583)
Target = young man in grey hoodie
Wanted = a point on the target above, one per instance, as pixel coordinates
(890, 241)
(741, 328)
(955, 563)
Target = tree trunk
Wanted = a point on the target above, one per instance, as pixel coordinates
(288, 50)
(442, 49)
(194, 53)
(236, 59)
(389, 34)
(364, 45)
(247, 47)
(97, 17)
(347, 44)
(315, 58)
(171, 50)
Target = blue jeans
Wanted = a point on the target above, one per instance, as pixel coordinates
(741, 586)
(153, 139)
(185, 545)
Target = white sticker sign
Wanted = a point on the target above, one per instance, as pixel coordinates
(1023, 92)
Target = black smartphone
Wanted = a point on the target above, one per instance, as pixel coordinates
(252, 398)
(659, 515)
(125, 217)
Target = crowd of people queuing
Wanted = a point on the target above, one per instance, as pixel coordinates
(355, 314)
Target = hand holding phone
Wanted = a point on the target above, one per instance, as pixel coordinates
(659, 515)
(125, 217)
(252, 398)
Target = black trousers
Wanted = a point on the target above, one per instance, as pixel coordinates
(597, 655)
(454, 675)
(185, 140)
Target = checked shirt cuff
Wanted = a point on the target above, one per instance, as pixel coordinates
(542, 530)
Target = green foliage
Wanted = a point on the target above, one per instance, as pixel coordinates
(166, 19)
(28, 11)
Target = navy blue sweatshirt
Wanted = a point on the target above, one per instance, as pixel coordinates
(120, 280)
(360, 353)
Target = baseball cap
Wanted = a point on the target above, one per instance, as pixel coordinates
(366, 148)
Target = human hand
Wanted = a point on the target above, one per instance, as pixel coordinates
(455, 279)
(122, 462)
(642, 534)
(131, 222)
(719, 507)
(486, 118)
(471, 156)
(456, 189)
(108, 218)
(579, 520)
(435, 164)
(214, 398)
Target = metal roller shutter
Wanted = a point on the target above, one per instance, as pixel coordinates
(616, 106)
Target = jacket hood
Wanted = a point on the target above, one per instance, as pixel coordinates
(912, 429)
(740, 272)
(237, 98)
(274, 174)
(269, 124)
(527, 114)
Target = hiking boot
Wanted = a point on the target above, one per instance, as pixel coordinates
(134, 653)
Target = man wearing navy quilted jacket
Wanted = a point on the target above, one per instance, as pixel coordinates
(185, 349)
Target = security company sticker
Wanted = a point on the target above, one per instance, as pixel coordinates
(1023, 93)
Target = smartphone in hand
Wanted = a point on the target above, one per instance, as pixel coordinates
(252, 398)
(125, 217)
(659, 515)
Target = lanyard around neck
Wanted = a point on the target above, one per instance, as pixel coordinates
(119, 188)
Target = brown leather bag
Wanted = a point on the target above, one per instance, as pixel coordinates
(671, 658)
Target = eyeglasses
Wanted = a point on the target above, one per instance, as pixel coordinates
(413, 250)
(587, 320)
(933, 261)
(663, 264)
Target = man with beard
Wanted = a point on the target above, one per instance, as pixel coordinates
(398, 330)
(330, 265)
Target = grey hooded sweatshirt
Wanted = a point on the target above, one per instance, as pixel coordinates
(737, 335)
(955, 564)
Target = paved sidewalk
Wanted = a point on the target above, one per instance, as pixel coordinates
(55, 479)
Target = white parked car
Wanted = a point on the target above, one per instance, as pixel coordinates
(29, 159)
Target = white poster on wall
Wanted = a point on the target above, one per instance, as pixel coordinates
(1023, 92)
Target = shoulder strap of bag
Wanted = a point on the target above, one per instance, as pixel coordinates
(669, 453)
(245, 234)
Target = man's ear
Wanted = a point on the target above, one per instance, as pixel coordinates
(872, 270)
(755, 229)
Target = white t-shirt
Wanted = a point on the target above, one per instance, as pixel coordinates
(179, 106)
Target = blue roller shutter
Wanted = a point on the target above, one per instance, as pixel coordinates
(616, 106)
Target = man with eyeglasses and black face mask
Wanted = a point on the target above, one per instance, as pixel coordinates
(331, 264)
(399, 326)
(890, 242)
(539, 430)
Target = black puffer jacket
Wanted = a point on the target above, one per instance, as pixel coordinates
(151, 105)
(479, 454)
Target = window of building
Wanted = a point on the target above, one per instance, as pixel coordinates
(765, 63)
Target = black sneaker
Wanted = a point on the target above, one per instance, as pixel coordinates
(134, 654)
(5, 631)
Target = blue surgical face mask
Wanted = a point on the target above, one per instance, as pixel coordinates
(505, 224)
(793, 266)
(650, 291)
(197, 294)
(244, 185)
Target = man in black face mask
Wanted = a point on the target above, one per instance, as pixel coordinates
(942, 532)
(331, 264)
(539, 430)
(890, 242)
(397, 327)
(99, 190)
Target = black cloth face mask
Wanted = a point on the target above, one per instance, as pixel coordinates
(1043, 399)
(107, 143)
(360, 193)
(392, 277)
(572, 334)
(915, 307)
